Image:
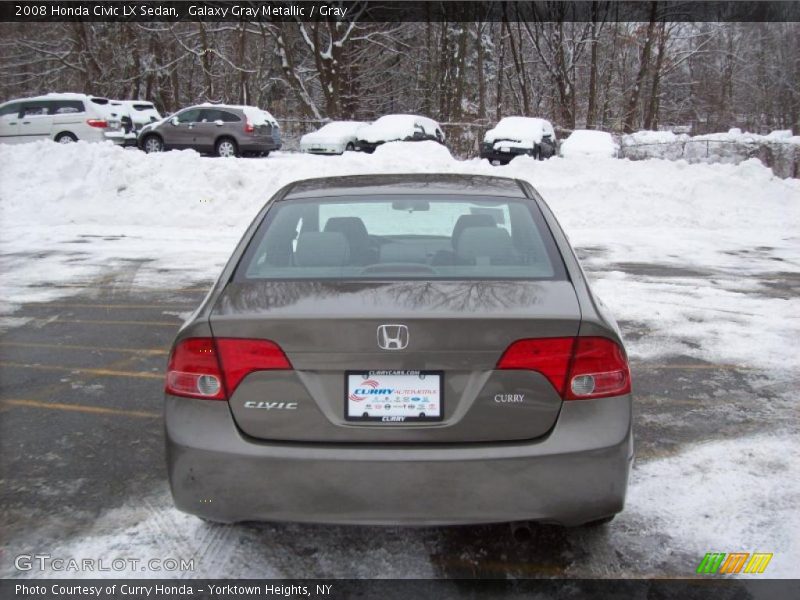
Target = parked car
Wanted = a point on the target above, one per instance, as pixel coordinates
(332, 138)
(126, 135)
(398, 128)
(589, 142)
(515, 136)
(134, 115)
(64, 118)
(400, 349)
(219, 129)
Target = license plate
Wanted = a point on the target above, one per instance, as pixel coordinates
(393, 396)
(505, 149)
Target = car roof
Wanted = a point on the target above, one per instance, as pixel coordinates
(411, 183)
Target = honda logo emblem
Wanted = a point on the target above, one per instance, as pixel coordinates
(392, 337)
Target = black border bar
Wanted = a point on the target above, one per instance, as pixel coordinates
(399, 589)
(380, 11)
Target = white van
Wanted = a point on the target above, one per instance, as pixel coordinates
(64, 118)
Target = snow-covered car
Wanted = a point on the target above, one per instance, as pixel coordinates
(589, 142)
(63, 118)
(398, 128)
(335, 137)
(219, 129)
(134, 115)
(515, 136)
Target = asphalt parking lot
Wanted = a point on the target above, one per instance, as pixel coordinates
(81, 430)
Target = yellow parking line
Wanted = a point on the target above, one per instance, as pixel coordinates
(141, 351)
(94, 322)
(100, 372)
(99, 410)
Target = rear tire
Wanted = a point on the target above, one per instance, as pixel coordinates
(153, 143)
(65, 137)
(350, 147)
(226, 147)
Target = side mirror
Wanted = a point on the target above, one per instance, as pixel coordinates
(174, 121)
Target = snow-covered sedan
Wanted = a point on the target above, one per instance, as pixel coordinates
(515, 136)
(589, 142)
(336, 137)
(398, 128)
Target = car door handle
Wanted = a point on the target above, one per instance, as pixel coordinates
(26, 122)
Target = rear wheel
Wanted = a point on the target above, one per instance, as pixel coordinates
(226, 147)
(350, 147)
(153, 143)
(66, 137)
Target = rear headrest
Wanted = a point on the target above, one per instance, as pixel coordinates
(485, 242)
(465, 221)
(321, 249)
(352, 227)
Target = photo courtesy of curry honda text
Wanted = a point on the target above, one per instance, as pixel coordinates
(401, 349)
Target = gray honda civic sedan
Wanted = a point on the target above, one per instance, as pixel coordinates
(400, 349)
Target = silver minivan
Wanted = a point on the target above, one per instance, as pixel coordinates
(64, 118)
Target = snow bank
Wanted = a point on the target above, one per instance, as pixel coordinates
(95, 208)
(778, 150)
(586, 142)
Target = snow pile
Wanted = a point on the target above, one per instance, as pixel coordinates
(587, 142)
(524, 131)
(696, 496)
(778, 150)
(94, 208)
(401, 153)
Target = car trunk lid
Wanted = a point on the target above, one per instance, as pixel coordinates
(457, 330)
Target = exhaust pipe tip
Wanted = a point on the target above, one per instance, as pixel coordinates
(521, 531)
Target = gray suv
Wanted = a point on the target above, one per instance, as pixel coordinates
(222, 130)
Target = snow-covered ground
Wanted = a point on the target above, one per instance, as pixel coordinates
(71, 213)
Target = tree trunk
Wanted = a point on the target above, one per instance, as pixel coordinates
(644, 66)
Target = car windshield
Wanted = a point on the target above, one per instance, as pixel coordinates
(402, 237)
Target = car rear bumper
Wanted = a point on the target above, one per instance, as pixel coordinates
(494, 154)
(577, 473)
(259, 145)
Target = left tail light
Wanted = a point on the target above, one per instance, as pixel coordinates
(249, 127)
(212, 369)
(100, 123)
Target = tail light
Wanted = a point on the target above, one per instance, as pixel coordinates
(101, 123)
(212, 369)
(578, 368)
(248, 127)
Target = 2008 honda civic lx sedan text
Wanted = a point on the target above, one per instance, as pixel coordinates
(400, 349)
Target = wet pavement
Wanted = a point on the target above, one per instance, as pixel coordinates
(81, 430)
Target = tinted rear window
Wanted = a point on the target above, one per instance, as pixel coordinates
(402, 237)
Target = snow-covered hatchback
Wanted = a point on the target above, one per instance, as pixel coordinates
(515, 136)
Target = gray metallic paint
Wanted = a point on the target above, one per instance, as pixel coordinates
(568, 463)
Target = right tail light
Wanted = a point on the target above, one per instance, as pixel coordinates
(578, 368)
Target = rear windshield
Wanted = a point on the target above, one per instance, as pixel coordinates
(402, 237)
